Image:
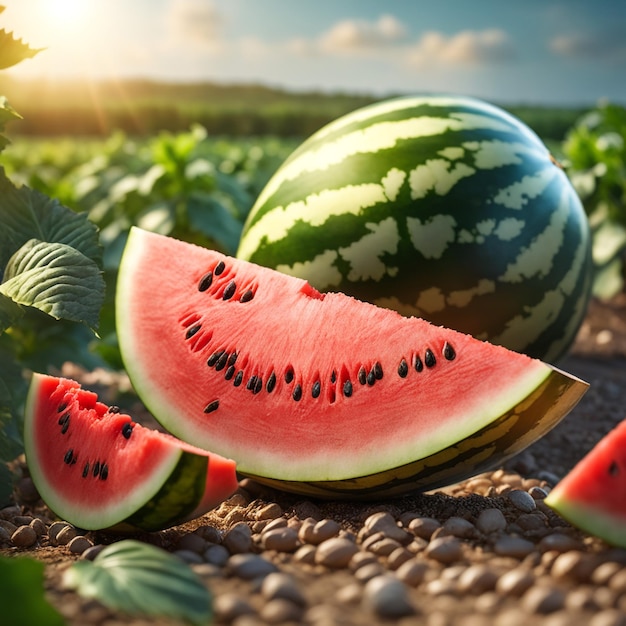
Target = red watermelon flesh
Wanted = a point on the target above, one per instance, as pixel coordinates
(299, 386)
(96, 468)
(593, 495)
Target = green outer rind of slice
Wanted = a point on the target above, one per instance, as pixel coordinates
(508, 435)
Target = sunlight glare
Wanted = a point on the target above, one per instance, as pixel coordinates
(67, 13)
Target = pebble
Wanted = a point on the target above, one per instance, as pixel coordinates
(457, 527)
(349, 594)
(360, 559)
(385, 522)
(515, 582)
(249, 566)
(477, 579)
(572, 564)
(398, 557)
(335, 552)
(280, 585)
(24, 537)
(193, 542)
(230, 606)
(238, 539)
(543, 599)
(383, 546)
(79, 544)
(216, 555)
(517, 547)
(618, 582)
(387, 597)
(323, 530)
(369, 571)
(559, 542)
(608, 617)
(444, 549)
(269, 511)
(522, 500)
(491, 521)
(424, 527)
(305, 554)
(91, 553)
(5, 535)
(280, 539)
(603, 573)
(193, 558)
(279, 611)
(412, 572)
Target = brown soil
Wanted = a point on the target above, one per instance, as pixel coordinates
(570, 581)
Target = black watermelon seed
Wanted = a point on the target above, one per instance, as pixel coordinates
(230, 372)
(362, 375)
(419, 365)
(371, 377)
(96, 468)
(289, 375)
(212, 360)
(86, 470)
(69, 456)
(192, 330)
(317, 389)
(232, 359)
(238, 379)
(205, 281)
(64, 418)
(271, 383)
(251, 383)
(114, 409)
(403, 369)
(297, 392)
(258, 385)
(212, 406)
(219, 268)
(347, 389)
(127, 430)
(378, 370)
(220, 364)
(66, 425)
(449, 352)
(104, 471)
(333, 377)
(247, 296)
(229, 292)
(613, 468)
(429, 358)
(62, 407)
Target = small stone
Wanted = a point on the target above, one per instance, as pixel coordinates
(491, 521)
(361, 559)
(532, 522)
(369, 571)
(280, 539)
(608, 617)
(424, 527)
(229, 606)
(206, 570)
(581, 598)
(188, 556)
(5, 535)
(280, 610)
(91, 553)
(335, 552)
(249, 566)
(458, 527)
(604, 572)
(10, 527)
(477, 579)
(22, 520)
(279, 522)
(193, 542)
(412, 572)
(522, 500)
(387, 597)
(543, 599)
(444, 549)
(384, 546)
(238, 539)
(216, 555)
(269, 511)
(325, 529)
(305, 554)
(513, 546)
(538, 493)
(384, 522)
(442, 587)
(515, 582)
(279, 585)
(397, 557)
(209, 533)
(558, 542)
(573, 564)
(79, 544)
(27, 490)
(24, 537)
(65, 535)
(618, 582)
(349, 594)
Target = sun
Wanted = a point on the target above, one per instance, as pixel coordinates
(67, 13)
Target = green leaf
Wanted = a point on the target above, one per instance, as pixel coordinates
(10, 312)
(22, 594)
(137, 578)
(56, 279)
(210, 217)
(12, 50)
(7, 113)
(27, 214)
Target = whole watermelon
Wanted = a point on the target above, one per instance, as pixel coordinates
(446, 208)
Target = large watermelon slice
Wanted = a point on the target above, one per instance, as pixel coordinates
(321, 392)
(593, 495)
(96, 468)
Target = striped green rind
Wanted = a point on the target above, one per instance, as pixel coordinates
(444, 208)
(506, 436)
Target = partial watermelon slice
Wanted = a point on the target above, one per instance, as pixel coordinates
(320, 393)
(593, 495)
(96, 468)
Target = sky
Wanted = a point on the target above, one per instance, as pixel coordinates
(553, 52)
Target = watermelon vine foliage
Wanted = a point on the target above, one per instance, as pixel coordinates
(595, 153)
(52, 287)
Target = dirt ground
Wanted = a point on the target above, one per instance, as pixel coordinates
(459, 562)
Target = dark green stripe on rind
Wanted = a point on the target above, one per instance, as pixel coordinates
(177, 498)
(487, 448)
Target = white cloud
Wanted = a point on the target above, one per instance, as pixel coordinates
(605, 46)
(195, 22)
(357, 36)
(466, 47)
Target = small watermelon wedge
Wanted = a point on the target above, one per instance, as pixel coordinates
(316, 393)
(593, 495)
(98, 469)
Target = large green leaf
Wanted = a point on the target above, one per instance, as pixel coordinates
(210, 217)
(12, 50)
(56, 279)
(136, 578)
(7, 113)
(27, 214)
(22, 594)
(10, 312)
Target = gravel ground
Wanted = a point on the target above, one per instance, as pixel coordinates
(485, 551)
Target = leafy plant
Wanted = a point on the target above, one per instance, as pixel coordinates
(595, 150)
(50, 260)
(138, 578)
